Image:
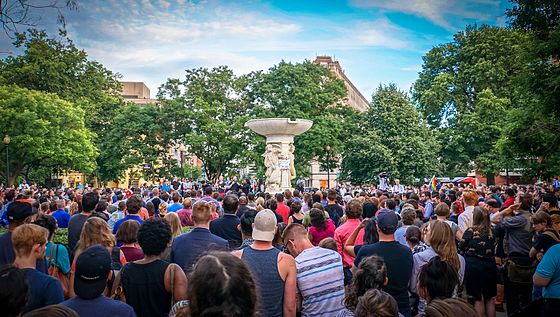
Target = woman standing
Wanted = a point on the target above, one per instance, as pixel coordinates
(295, 213)
(478, 246)
(150, 285)
(321, 227)
(127, 235)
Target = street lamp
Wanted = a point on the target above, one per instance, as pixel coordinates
(328, 150)
(182, 159)
(6, 142)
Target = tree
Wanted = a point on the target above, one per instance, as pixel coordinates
(303, 91)
(58, 66)
(206, 112)
(533, 129)
(14, 13)
(45, 131)
(137, 135)
(465, 90)
(394, 139)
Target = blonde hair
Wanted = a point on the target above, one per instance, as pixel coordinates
(95, 231)
(174, 222)
(442, 242)
(73, 209)
(163, 208)
(202, 212)
(26, 236)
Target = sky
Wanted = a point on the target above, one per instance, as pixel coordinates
(375, 41)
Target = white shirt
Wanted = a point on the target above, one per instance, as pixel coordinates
(466, 218)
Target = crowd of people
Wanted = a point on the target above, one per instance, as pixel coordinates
(179, 250)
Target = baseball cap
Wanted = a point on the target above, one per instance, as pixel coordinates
(92, 270)
(387, 220)
(265, 225)
(19, 209)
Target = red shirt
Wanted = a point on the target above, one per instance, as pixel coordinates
(509, 201)
(341, 235)
(319, 235)
(283, 211)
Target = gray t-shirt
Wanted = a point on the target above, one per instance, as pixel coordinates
(75, 226)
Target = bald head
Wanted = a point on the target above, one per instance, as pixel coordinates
(243, 200)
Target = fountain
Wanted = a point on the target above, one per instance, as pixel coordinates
(279, 155)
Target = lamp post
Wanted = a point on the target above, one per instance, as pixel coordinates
(6, 142)
(182, 159)
(328, 150)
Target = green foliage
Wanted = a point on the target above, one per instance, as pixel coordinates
(61, 236)
(465, 90)
(303, 91)
(136, 135)
(56, 65)
(394, 139)
(186, 229)
(207, 112)
(532, 131)
(45, 131)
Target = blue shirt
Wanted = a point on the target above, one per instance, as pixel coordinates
(57, 257)
(127, 217)
(43, 290)
(549, 268)
(100, 306)
(62, 218)
(428, 209)
(187, 247)
(174, 207)
(4, 218)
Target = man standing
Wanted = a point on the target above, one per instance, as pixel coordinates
(243, 206)
(61, 216)
(334, 210)
(274, 271)
(320, 279)
(76, 223)
(466, 217)
(226, 226)
(93, 268)
(176, 204)
(133, 205)
(397, 257)
(428, 205)
(208, 190)
(281, 208)
(398, 188)
(29, 244)
(187, 247)
(19, 213)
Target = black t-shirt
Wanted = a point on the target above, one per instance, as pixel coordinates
(545, 241)
(335, 213)
(398, 260)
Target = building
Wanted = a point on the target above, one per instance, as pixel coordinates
(136, 92)
(355, 99)
(319, 177)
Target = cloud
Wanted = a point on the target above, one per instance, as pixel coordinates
(416, 68)
(443, 13)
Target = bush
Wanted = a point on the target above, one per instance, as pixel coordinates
(186, 229)
(61, 236)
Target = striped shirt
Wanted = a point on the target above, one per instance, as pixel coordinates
(320, 282)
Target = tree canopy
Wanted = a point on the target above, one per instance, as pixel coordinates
(45, 131)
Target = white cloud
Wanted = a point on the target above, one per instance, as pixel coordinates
(440, 12)
(416, 68)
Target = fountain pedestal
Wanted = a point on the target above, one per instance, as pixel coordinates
(279, 155)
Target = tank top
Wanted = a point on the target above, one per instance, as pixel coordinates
(295, 220)
(144, 288)
(270, 286)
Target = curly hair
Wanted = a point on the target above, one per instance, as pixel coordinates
(371, 274)
(221, 285)
(95, 231)
(153, 236)
(317, 217)
(376, 303)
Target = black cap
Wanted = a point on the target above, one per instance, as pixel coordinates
(19, 210)
(387, 220)
(92, 271)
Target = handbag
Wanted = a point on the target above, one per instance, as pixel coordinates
(518, 273)
(117, 295)
(57, 273)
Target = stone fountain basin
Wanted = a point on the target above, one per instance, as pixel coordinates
(279, 126)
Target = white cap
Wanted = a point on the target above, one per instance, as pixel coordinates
(265, 225)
